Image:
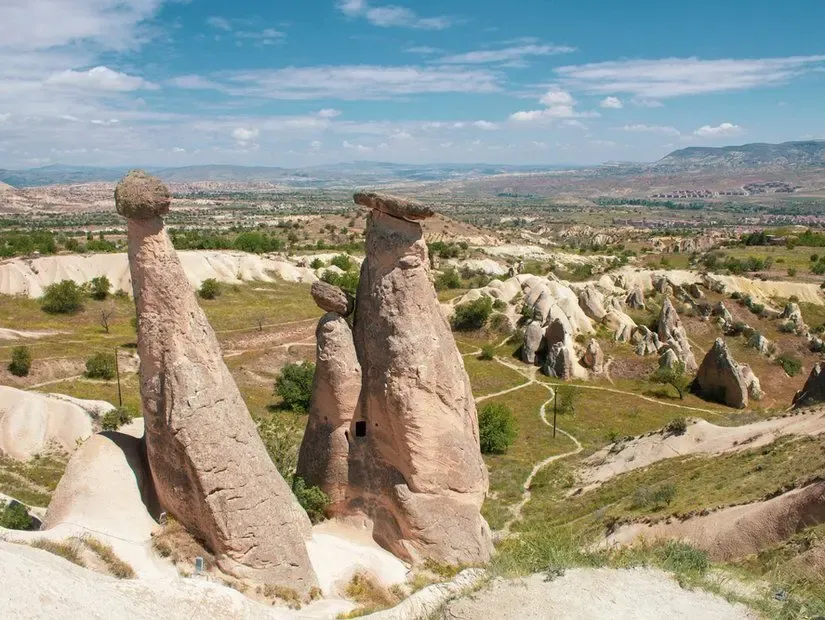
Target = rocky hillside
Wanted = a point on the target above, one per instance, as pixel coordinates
(759, 156)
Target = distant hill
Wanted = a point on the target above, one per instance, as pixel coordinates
(785, 156)
(333, 175)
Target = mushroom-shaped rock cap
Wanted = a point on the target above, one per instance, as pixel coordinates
(394, 205)
(141, 196)
(331, 298)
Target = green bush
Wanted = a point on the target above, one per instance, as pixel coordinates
(63, 297)
(317, 263)
(488, 352)
(21, 361)
(99, 288)
(472, 315)
(210, 289)
(646, 497)
(114, 419)
(496, 428)
(294, 385)
(347, 282)
(14, 516)
(343, 262)
(792, 365)
(312, 499)
(787, 327)
(677, 426)
(499, 305)
(500, 324)
(101, 366)
(448, 279)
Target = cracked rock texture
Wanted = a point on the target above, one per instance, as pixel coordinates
(208, 464)
(722, 379)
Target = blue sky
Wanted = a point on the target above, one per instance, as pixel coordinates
(176, 82)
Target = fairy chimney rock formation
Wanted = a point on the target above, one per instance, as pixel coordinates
(591, 302)
(331, 298)
(672, 333)
(636, 298)
(813, 391)
(209, 466)
(415, 465)
(721, 379)
(533, 340)
(323, 460)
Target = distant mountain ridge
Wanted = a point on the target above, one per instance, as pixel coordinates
(757, 156)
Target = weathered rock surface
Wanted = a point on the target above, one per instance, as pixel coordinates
(721, 379)
(561, 361)
(415, 465)
(672, 333)
(636, 298)
(323, 460)
(760, 343)
(394, 205)
(533, 340)
(793, 314)
(593, 357)
(722, 313)
(669, 358)
(331, 298)
(645, 341)
(618, 321)
(592, 303)
(813, 392)
(208, 464)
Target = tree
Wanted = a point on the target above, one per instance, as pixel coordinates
(294, 386)
(21, 361)
(101, 366)
(209, 289)
(14, 516)
(343, 262)
(311, 498)
(105, 318)
(472, 315)
(63, 297)
(497, 428)
(565, 401)
(115, 418)
(99, 288)
(675, 377)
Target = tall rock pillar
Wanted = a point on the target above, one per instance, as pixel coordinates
(209, 466)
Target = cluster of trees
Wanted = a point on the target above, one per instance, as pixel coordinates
(66, 296)
(715, 261)
(645, 202)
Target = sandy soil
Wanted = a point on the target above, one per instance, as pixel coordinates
(733, 533)
(31, 276)
(701, 437)
(593, 594)
(18, 334)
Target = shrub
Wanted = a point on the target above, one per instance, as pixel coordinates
(14, 516)
(21, 361)
(281, 436)
(343, 262)
(791, 271)
(99, 288)
(101, 366)
(787, 327)
(681, 558)
(448, 279)
(311, 498)
(792, 365)
(115, 418)
(63, 297)
(675, 377)
(294, 385)
(488, 352)
(347, 282)
(677, 426)
(565, 402)
(500, 324)
(500, 305)
(647, 497)
(317, 263)
(517, 338)
(496, 428)
(472, 315)
(68, 550)
(210, 289)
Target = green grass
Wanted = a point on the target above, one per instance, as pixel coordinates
(489, 377)
(240, 307)
(100, 390)
(31, 482)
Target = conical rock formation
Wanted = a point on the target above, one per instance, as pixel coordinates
(672, 333)
(208, 464)
(721, 379)
(813, 391)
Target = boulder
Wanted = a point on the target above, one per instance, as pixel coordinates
(591, 302)
(721, 379)
(331, 298)
(722, 313)
(760, 343)
(209, 466)
(533, 340)
(793, 314)
(813, 392)
(415, 467)
(645, 341)
(669, 358)
(636, 298)
(671, 332)
(593, 357)
(323, 459)
(561, 361)
(694, 290)
(618, 321)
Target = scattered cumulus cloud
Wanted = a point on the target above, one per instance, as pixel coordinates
(558, 104)
(612, 103)
(392, 16)
(99, 78)
(486, 125)
(719, 131)
(508, 54)
(243, 135)
(640, 128)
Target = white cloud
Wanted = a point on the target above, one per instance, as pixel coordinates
(178, 149)
(241, 134)
(315, 145)
(673, 77)
(99, 78)
(424, 50)
(486, 125)
(401, 135)
(559, 104)
(672, 131)
(516, 53)
(361, 148)
(221, 23)
(392, 16)
(719, 131)
(612, 102)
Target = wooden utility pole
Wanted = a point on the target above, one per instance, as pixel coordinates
(555, 410)
(117, 372)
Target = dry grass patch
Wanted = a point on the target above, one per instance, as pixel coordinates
(67, 549)
(174, 542)
(117, 567)
(370, 595)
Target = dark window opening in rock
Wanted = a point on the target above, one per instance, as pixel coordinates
(361, 428)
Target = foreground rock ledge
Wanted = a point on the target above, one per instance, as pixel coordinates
(208, 464)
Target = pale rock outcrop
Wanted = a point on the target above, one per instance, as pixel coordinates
(618, 321)
(760, 343)
(694, 291)
(636, 298)
(591, 302)
(331, 298)
(561, 361)
(813, 392)
(793, 314)
(669, 358)
(533, 340)
(593, 357)
(208, 464)
(722, 379)
(323, 459)
(672, 333)
(723, 315)
(416, 471)
(645, 341)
